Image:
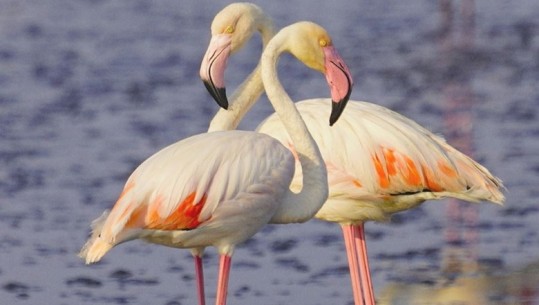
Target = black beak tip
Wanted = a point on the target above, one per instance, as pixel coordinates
(222, 100)
(337, 109)
(218, 94)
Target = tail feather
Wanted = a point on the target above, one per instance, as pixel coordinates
(94, 249)
(484, 185)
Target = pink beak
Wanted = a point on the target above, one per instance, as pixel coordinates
(212, 69)
(340, 82)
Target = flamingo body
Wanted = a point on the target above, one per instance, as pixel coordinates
(219, 188)
(173, 199)
(380, 162)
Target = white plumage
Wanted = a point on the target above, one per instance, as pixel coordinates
(233, 175)
(366, 183)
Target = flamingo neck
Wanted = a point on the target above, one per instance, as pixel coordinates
(249, 91)
(302, 206)
(242, 99)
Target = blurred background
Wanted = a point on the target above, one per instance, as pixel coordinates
(91, 88)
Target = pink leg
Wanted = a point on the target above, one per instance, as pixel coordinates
(361, 248)
(222, 283)
(349, 237)
(200, 279)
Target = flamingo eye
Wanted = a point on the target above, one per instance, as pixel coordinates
(229, 29)
(323, 42)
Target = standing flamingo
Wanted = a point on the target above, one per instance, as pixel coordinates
(379, 162)
(218, 189)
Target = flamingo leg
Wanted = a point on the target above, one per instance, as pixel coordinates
(222, 283)
(349, 237)
(361, 248)
(200, 279)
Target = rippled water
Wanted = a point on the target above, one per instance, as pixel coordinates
(89, 89)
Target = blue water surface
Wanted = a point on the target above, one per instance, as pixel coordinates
(90, 88)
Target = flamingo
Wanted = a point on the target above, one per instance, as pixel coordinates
(218, 189)
(379, 162)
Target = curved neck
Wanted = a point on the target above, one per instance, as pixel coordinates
(302, 206)
(248, 92)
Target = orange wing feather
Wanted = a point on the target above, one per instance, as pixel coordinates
(396, 170)
(184, 217)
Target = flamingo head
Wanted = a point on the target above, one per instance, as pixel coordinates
(231, 28)
(312, 45)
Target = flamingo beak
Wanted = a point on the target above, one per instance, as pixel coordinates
(340, 82)
(212, 69)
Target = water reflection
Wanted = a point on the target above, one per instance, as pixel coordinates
(456, 39)
(488, 286)
(463, 278)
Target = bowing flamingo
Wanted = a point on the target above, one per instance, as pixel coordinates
(218, 189)
(379, 162)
